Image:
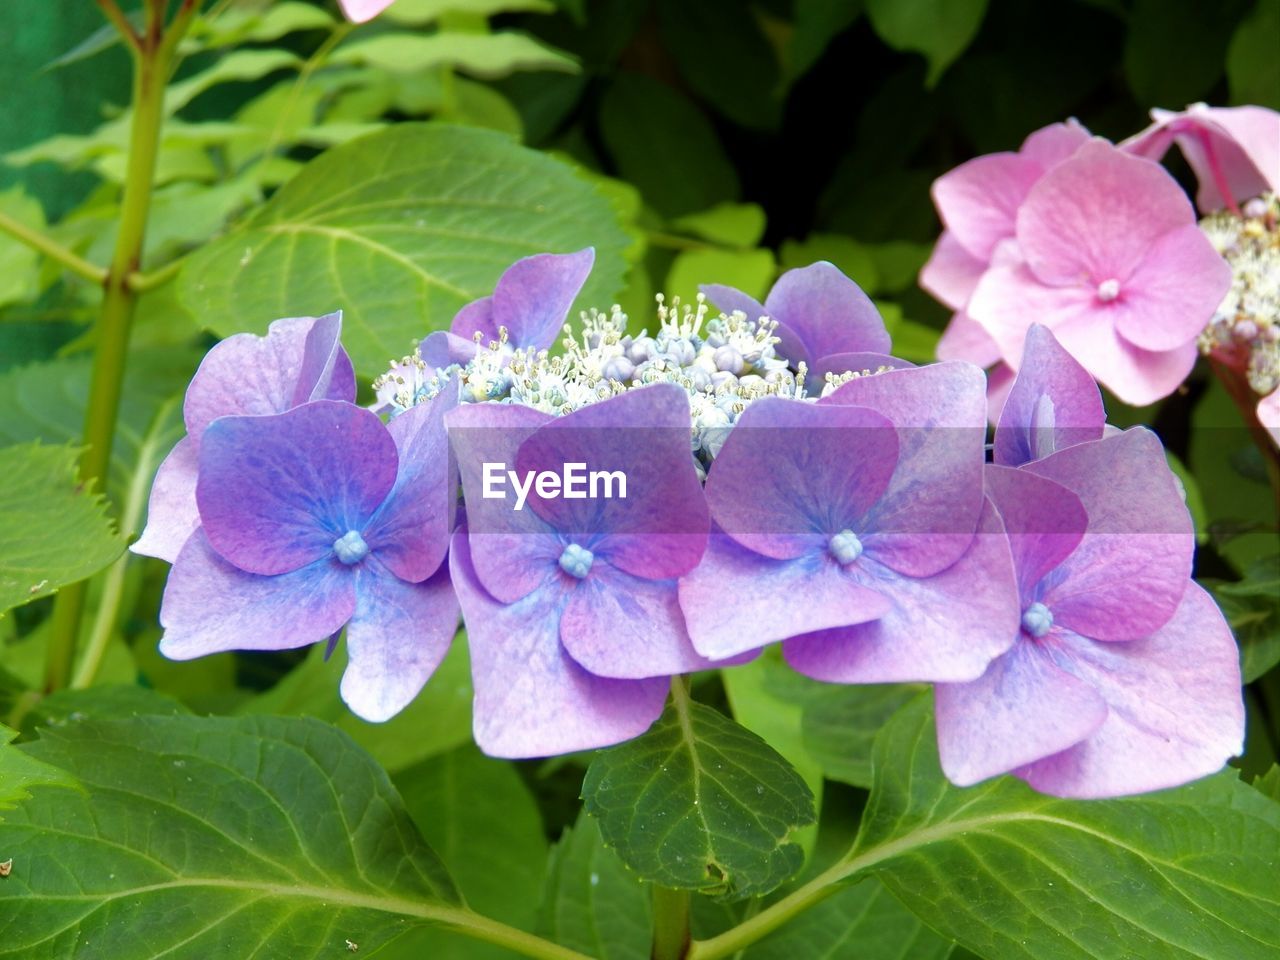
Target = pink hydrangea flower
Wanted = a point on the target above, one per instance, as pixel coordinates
(1110, 258)
(358, 11)
(1234, 151)
(1124, 676)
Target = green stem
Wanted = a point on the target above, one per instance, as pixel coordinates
(670, 924)
(150, 75)
(51, 248)
(478, 927)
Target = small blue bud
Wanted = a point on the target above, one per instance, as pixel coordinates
(620, 369)
(350, 547)
(728, 360)
(576, 561)
(845, 547)
(1037, 620)
(642, 349)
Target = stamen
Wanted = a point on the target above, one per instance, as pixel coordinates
(350, 547)
(845, 547)
(1037, 620)
(576, 561)
(1108, 290)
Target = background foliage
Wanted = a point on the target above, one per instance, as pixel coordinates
(716, 141)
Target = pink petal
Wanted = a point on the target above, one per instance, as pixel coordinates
(1053, 403)
(531, 698)
(951, 272)
(1269, 415)
(399, 634)
(1022, 709)
(1044, 520)
(1126, 578)
(1138, 377)
(923, 522)
(1094, 217)
(943, 628)
(1174, 707)
(171, 511)
(978, 200)
(630, 628)
(210, 606)
(358, 11)
(737, 600)
(1050, 145)
(1173, 293)
(1009, 298)
(966, 339)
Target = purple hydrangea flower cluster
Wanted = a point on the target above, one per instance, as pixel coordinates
(856, 521)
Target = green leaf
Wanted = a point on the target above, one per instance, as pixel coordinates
(1175, 48)
(840, 725)
(726, 58)
(46, 401)
(1252, 608)
(817, 23)
(1191, 872)
(438, 719)
(19, 773)
(664, 145)
(400, 229)
(237, 66)
(739, 225)
(700, 803)
(18, 263)
(485, 55)
(1269, 783)
(591, 902)
(52, 530)
(420, 12)
(939, 29)
(478, 815)
(862, 922)
(196, 835)
(1253, 69)
(751, 271)
(234, 26)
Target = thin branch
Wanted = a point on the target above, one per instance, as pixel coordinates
(51, 248)
(118, 20)
(142, 282)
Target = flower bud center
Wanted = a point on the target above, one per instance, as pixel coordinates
(576, 561)
(350, 547)
(1037, 620)
(845, 547)
(1108, 290)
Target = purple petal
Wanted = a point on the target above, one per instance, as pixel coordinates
(298, 360)
(399, 634)
(534, 295)
(923, 522)
(1044, 521)
(410, 533)
(171, 511)
(727, 300)
(276, 491)
(791, 475)
(514, 551)
(659, 530)
(737, 600)
(1021, 710)
(820, 311)
(1127, 577)
(442, 348)
(943, 628)
(618, 625)
(1174, 707)
(531, 698)
(475, 317)
(1054, 403)
(210, 606)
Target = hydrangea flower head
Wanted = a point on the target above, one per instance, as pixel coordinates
(823, 318)
(1053, 404)
(866, 507)
(570, 603)
(300, 359)
(1123, 676)
(1111, 260)
(317, 518)
(1234, 151)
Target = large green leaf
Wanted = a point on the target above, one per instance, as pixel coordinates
(19, 773)
(1252, 607)
(701, 803)
(52, 530)
(400, 229)
(203, 837)
(939, 29)
(591, 901)
(1192, 872)
(438, 719)
(840, 725)
(486, 55)
(862, 922)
